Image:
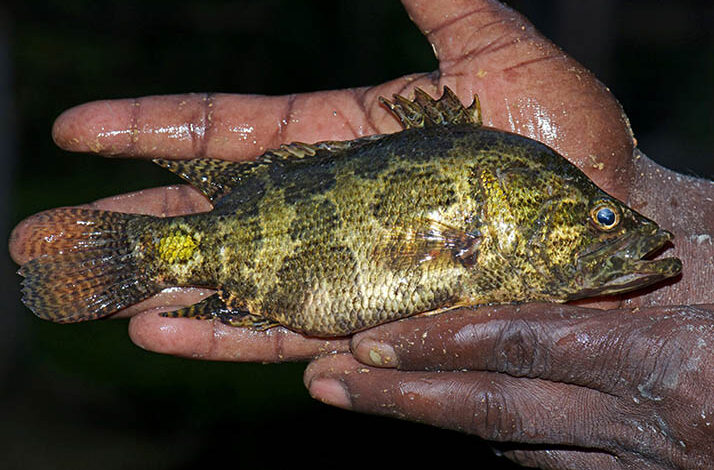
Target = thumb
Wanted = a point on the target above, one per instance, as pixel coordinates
(528, 85)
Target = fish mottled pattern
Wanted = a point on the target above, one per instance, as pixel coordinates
(244, 200)
(406, 183)
(335, 237)
(321, 211)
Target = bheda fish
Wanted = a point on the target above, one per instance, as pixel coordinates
(335, 237)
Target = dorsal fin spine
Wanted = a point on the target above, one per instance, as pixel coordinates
(425, 111)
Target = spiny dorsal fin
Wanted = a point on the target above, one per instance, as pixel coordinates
(212, 177)
(295, 150)
(424, 110)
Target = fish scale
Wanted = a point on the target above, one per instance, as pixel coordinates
(338, 236)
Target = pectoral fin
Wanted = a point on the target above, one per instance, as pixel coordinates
(425, 240)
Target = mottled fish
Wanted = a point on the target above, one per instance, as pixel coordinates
(335, 237)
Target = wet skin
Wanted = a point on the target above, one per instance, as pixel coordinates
(487, 49)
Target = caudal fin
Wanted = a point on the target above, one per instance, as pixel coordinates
(85, 268)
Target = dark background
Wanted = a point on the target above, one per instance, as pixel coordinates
(82, 396)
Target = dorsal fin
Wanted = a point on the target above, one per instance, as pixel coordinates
(301, 151)
(424, 110)
(292, 151)
(214, 178)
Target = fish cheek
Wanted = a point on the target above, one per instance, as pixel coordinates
(554, 245)
(562, 244)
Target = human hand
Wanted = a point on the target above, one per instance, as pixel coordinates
(553, 386)
(526, 85)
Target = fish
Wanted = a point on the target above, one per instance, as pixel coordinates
(335, 237)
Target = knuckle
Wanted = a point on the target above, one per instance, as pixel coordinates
(517, 349)
(668, 361)
(278, 336)
(490, 414)
(199, 126)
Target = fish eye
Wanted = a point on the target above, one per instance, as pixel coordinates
(605, 215)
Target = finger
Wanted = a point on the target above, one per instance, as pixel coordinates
(212, 340)
(493, 406)
(467, 21)
(226, 126)
(585, 347)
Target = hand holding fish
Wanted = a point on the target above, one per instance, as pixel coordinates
(527, 86)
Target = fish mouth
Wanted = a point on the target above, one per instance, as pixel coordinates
(623, 265)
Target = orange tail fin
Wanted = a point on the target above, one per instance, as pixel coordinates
(85, 266)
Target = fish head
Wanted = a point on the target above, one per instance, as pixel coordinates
(615, 252)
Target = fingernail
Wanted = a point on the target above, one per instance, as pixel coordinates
(331, 392)
(375, 353)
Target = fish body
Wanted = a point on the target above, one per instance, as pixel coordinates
(335, 237)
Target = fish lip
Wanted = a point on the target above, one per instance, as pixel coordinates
(628, 269)
(633, 246)
(639, 248)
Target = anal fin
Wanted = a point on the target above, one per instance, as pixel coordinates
(214, 307)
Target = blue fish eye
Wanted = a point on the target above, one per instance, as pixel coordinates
(606, 216)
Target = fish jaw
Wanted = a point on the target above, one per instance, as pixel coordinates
(620, 267)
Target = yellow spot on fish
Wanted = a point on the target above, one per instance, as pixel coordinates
(176, 248)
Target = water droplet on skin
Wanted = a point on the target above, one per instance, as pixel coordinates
(243, 131)
(539, 125)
